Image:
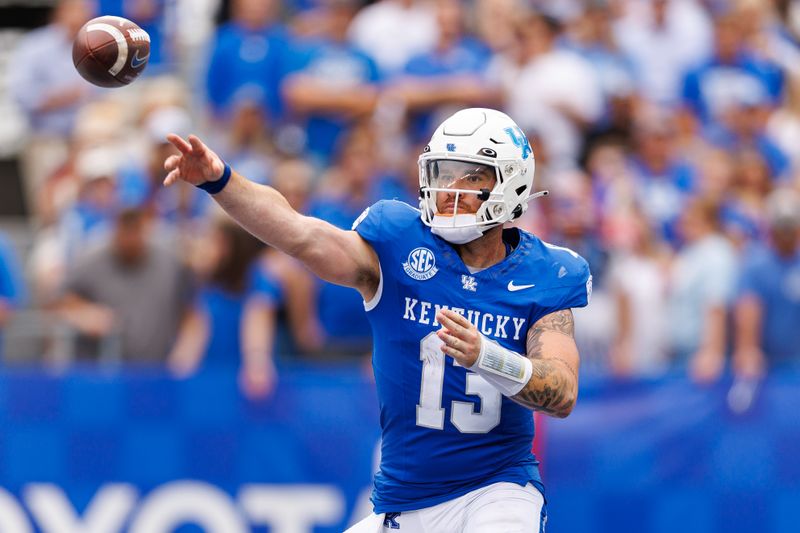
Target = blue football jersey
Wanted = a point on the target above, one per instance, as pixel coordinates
(445, 430)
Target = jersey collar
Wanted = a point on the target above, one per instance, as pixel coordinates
(520, 241)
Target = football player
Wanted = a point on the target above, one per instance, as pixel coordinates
(472, 321)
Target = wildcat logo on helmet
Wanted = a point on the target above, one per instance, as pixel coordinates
(421, 264)
(520, 140)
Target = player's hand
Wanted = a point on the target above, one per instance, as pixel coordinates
(461, 338)
(196, 163)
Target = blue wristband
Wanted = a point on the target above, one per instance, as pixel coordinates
(213, 187)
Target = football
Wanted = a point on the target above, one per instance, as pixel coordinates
(110, 51)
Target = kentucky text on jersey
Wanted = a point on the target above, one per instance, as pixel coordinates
(491, 325)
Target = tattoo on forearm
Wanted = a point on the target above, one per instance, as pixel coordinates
(559, 322)
(552, 389)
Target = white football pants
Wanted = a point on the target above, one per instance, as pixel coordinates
(500, 507)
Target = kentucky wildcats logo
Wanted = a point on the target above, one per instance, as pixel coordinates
(469, 283)
(390, 521)
(519, 140)
(421, 264)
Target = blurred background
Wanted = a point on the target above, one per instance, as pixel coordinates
(164, 371)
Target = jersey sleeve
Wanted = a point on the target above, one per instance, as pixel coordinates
(368, 224)
(384, 223)
(573, 290)
(577, 291)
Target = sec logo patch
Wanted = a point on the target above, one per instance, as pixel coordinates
(421, 264)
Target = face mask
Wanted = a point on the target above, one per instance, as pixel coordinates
(461, 234)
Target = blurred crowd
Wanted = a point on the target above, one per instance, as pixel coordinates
(667, 132)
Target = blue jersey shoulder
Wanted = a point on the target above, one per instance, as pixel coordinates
(563, 276)
(385, 219)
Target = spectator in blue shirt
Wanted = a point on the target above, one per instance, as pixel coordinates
(663, 181)
(346, 190)
(12, 288)
(232, 324)
(743, 209)
(140, 181)
(298, 329)
(768, 306)
(590, 35)
(402, 181)
(246, 143)
(247, 59)
(41, 76)
(91, 217)
(451, 75)
(730, 76)
(49, 91)
(742, 127)
(331, 84)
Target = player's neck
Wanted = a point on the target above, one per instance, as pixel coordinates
(485, 251)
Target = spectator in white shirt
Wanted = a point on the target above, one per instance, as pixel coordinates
(556, 92)
(48, 89)
(376, 30)
(663, 39)
(701, 284)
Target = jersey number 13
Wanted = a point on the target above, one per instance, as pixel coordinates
(430, 413)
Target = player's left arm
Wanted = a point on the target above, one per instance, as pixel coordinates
(551, 383)
(553, 386)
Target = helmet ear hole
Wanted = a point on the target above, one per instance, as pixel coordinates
(520, 190)
(517, 212)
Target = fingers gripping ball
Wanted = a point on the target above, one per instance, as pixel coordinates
(110, 51)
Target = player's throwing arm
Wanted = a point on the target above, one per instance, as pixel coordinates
(546, 379)
(335, 255)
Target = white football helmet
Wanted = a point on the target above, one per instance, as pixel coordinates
(476, 141)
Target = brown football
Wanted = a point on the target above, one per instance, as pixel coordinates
(110, 51)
